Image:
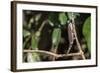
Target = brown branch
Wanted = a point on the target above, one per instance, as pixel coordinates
(53, 50)
(42, 25)
(41, 51)
(71, 54)
(77, 41)
(51, 53)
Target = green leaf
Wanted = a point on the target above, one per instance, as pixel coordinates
(34, 42)
(87, 32)
(38, 16)
(30, 22)
(50, 23)
(37, 34)
(35, 56)
(26, 33)
(63, 18)
(56, 36)
(72, 15)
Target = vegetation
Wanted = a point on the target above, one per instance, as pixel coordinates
(46, 36)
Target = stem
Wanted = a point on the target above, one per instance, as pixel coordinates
(54, 50)
(71, 54)
(51, 53)
(78, 44)
(42, 25)
(41, 51)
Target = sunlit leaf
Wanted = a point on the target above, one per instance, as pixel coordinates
(38, 16)
(87, 32)
(30, 22)
(29, 57)
(63, 18)
(26, 33)
(56, 36)
(35, 56)
(34, 42)
(37, 34)
(50, 23)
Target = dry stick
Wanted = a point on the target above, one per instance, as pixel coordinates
(54, 50)
(51, 53)
(41, 51)
(78, 44)
(71, 54)
(42, 25)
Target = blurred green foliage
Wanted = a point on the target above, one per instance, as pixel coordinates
(63, 18)
(56, 36)
(87, 32)
(56, 21)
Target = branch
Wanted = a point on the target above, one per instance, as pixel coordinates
(52, 54)
(42, 25)
(41, 51)
(77, 41)
(71, 54)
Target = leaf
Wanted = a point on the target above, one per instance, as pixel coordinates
(50, 23)
(26, 33)
(38, 16)
(72, 15)
(87, 32)
(37, 34)
(34, 42)
(29, 57)
(35, 56)
(63, 18)
(56, 36)
(30, 22)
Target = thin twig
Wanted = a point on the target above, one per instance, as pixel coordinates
(51, 53)
(78, 44)
(42, 25)
(53, 50)
(71, 54)
(41, 51)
